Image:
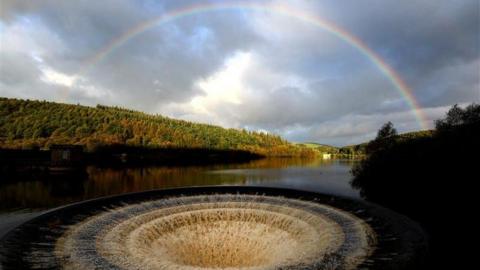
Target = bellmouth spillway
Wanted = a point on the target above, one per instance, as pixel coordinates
(215, 228)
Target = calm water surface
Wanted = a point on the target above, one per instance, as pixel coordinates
(20, 200)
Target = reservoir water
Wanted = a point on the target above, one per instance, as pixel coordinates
(21, 200)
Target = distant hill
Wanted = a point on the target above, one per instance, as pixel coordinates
(416, 134)
(38, 124)
(352, 151)
(323, 148)
(359, 149)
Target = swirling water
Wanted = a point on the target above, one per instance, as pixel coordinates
(232, 231)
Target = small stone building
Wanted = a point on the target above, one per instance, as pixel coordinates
(66, 155)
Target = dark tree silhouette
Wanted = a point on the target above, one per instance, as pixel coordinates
(385, 137)
(457, 116)
(386, 131)
(430, 179)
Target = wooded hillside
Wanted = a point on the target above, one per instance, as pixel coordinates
(38, 124)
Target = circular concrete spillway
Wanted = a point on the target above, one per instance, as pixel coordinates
(215, 228)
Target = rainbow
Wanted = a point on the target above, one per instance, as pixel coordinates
(284, 10)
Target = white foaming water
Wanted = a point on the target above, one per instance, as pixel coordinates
(221, 231)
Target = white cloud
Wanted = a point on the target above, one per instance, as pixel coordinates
(92, 91)
(54, 77)
(25, 36)
(227, 96)
(73, 84)
(225, 85)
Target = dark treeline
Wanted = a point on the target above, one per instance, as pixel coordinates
(28, 164)
(430, 179)
(26, 124)
(363, 148)
(122, 155)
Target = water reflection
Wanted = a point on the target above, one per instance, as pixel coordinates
(330, 176)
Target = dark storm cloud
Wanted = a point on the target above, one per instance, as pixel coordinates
(421, 39)
(319, 101)
(15, 67)
(157, 66)
(434, 46)
(300, 81)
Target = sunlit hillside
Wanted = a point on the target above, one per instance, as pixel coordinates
(38, 124)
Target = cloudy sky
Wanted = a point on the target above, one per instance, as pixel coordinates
(244, 68)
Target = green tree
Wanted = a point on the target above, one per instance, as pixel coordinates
(45, 123)
(386, 131)
(385, 137)
(457, 116)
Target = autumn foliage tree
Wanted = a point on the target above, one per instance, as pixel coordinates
(26, 124)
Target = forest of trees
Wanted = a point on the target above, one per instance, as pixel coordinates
(428, 176)
(386, 134)
(26, 124)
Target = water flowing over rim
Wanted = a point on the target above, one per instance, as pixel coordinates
(401, 243)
